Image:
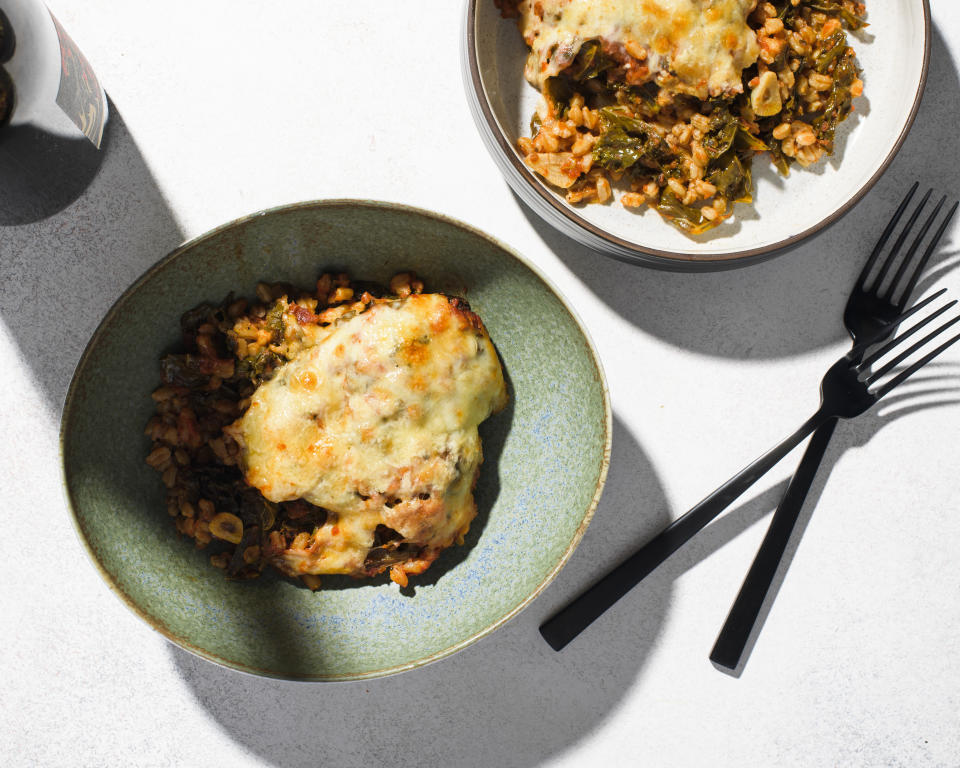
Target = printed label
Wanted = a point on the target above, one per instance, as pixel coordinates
(80, 95)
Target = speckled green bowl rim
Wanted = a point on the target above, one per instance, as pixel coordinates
(185, 248)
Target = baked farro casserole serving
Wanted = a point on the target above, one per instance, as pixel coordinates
(326, 431)
(665, 103)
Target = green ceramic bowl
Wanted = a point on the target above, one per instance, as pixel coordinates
(546, 454)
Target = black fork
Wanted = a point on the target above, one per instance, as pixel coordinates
(848, 389)
(874, 302)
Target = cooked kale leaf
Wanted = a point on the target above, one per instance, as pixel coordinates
(684, 216)
(626, 141)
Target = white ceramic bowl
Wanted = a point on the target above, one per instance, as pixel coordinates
(894, 52)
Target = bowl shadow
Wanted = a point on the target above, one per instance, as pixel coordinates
(792, 304)
(499, 685)
(509, 699)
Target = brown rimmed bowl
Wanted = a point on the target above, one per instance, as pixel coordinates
(894, 52)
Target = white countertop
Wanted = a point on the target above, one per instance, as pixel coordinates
(223, 108)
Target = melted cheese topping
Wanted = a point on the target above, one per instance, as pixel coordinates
(705, 44)
(377, 423)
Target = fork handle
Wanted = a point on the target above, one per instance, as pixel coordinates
(732, 639)
(579, 614)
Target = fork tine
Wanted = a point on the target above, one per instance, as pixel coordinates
(875, 376)
(904, 375)
(926, 256)
(913, 249)
(895, 342)
(859, 349)
(882, 274)
(898, 340)
(865, 272)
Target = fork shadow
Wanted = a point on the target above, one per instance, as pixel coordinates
(946, 263)
(925, 392)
